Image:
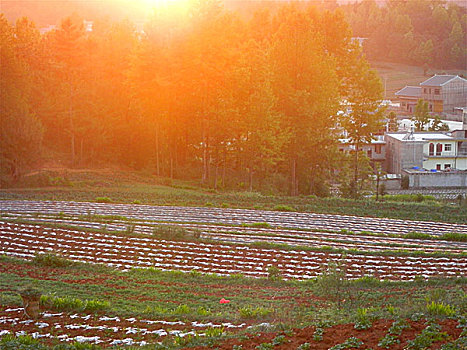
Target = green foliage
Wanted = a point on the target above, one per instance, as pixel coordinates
(418, 235)
(284, 208)
(440, 309)
(73, 304)
(24, 342)
(174, 233)
(363, 319)
(388, 341)
(214, 332)
(250, 312)
(350, 343)
(265, 346)
(398, 326)
(318, 334)
(430, 334)
(454, 236)
(333, 284)
(182, 310)
(409, 198)
(51, 260)
(304, 346)
(274, 273)
(259, 225)
(278, 340)
(103, 200)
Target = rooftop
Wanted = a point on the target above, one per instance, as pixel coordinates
(438, 80)
(420, 136)
(412, 91)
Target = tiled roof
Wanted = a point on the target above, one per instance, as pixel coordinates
(438, 80)
(410, 91)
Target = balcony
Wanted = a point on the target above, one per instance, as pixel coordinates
(439, 155)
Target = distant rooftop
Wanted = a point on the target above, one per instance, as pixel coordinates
(420, 136)
(439, 80)
(412, 91)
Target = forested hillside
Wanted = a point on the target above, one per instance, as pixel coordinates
(422, 32)
(200, 94)
(428, 33)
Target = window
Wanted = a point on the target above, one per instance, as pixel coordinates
(424, 90)
(431, 107)
(438, 166)
(447, 147)
(368, 153)
(439, 149)
(432, 149)
(447, 166)
(378, 149)
(436, 91)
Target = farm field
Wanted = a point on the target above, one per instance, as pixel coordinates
(152, 277)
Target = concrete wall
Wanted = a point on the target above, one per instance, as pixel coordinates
(392, 184)
(432, 162)
(417, 180)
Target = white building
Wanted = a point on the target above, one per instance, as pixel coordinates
(426, 151)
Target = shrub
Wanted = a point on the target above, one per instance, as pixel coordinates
(259, 225)
(274, 273)
(351, 342)
(440, 309)
(280, 339)
(73, 304)
(51, 260)
(174, 233)
(103, 200)
(23, 342)
(333, 284)
(284, 208)
(251, 312)
(363, 319)
(214, 332)
(182, 310)
(454, 236)
(398, 326)
(388, 341)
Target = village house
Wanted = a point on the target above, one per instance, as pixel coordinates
(444, 94)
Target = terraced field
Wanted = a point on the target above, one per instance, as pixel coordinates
(223, 242)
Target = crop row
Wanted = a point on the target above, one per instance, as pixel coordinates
(235, 217)
(242, 234)
(125, 252)
(102, 330)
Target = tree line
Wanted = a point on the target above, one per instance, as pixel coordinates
(200, 94)
(421, 32)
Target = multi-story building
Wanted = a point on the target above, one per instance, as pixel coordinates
(444, 93)
(426, 151)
